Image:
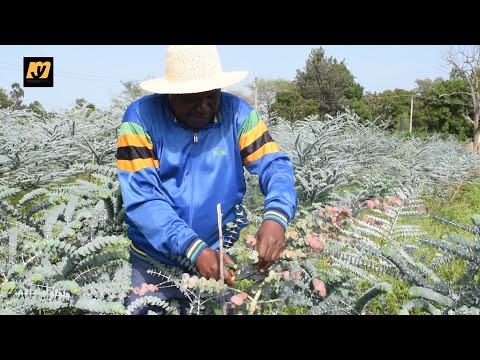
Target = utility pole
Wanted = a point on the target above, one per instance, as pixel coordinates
(411, 114)
(255, 86)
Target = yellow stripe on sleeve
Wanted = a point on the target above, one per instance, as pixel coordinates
(252, 135)
(134, 140)
(137, 164)
(269, 147)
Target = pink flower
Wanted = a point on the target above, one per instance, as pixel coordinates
(250, 241)
(236, 300)
(144, 288)
(319, 286)
(314, 242)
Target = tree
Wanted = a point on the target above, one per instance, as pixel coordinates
(16, 95)
(367, 108)
(240, 93)
(425, 85)
(82, 102)
(445, 114)
(392, 105)
(266, 92)
(13, 99)
(465, 63)
(131, 92)
(291, 106)
(5, 101)
(327, 81)
(37, 108)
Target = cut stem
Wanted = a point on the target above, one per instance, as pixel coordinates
(220, 266)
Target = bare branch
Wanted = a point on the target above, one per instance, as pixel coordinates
(91, 148)
(220, 248)
(466, 117)
(453, 93)
(465, 63)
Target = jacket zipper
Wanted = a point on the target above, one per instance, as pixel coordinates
(192, 200)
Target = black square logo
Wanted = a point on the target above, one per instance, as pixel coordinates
(38, 72)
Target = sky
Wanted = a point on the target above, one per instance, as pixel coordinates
(96, 72)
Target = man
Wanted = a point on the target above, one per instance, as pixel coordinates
(181, 151)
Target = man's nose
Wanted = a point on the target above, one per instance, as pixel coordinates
(203, 106)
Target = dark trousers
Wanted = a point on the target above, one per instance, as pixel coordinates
(166, 291)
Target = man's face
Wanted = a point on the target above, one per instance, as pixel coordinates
(195, 110)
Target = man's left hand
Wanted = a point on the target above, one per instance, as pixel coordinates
(270, 243)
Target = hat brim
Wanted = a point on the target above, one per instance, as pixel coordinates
(164, 86)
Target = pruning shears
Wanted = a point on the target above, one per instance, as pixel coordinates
(246, 273)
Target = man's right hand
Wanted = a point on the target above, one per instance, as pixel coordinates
(207, 265)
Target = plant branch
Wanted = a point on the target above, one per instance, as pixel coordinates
(94, 152)
(220, 246)
(252, 308)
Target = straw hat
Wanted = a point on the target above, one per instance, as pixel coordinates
(192, 69)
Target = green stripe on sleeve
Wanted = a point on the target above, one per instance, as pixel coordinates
(251, 121)
(132, 128)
